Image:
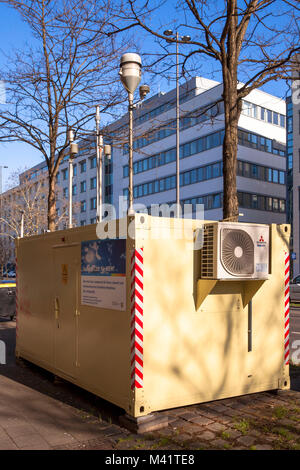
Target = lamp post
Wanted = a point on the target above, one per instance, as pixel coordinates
(1, 166)
(22, 224)
(100, 149)
(73, 152)
(130, 74)
(176, 38)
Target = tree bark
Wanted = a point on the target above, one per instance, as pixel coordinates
(51, 203)
(232, 110)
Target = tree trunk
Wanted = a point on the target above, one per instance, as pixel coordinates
(51, 203)
(232, 109)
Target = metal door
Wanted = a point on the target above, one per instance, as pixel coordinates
(65, 308)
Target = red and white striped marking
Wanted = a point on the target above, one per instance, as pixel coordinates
(286, 309)
(137, 312)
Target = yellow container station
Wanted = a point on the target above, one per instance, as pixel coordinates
(163, 313)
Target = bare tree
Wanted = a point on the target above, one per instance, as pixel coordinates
(252, 41)
(4, 254)
(55, 83)
(27, 198)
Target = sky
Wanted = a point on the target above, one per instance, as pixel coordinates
(14, 33)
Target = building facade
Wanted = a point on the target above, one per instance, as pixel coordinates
(261, 177)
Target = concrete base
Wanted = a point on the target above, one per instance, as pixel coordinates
(143, 424)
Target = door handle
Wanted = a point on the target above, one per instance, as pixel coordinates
(56, 308)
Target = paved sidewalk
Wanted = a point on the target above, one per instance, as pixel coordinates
(39, 413)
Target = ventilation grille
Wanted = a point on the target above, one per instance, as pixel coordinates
(207, 253)
(237, 252)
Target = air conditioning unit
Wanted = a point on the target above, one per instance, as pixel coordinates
(235, 251)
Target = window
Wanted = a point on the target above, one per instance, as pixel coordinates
(216, 170)
(246, 171)
(58, 177)
(254, 201)
(82, 223)
(74, 170)
(93, 203)
(93, 220)
(275, 204)
(281, 205)
(193, 176)
(74, 190)
(275, 118)
(83, 206)
(186, 178)
(65, 193)
(82, 166)
(93, 183)
(93, 162)
(269, 116)
(65, 174)
(83, 186)
(275, 176)
(282, 120)
(262, 114)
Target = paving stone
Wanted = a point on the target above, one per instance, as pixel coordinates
(201, 420)
(31, 441)
(220, 443)
(7, 444)
(233, 433)
(230, 412)
(217, 427)
(187, 416)
(37, 446)
(263, 447)
(182, 438)
(286, 422)
(19, 430)
(207, 413)
(246, 440)
(224, 419)
(60, 438)
(207, 435)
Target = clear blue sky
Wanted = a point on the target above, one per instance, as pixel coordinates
(14, 33)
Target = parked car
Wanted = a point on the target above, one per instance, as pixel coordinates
(11, 274)
(295, 289)
(7, 299)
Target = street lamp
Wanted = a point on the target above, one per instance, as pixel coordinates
(130, 74)
(99, 159)
(73, 152)
(1, 166)
(176, 37)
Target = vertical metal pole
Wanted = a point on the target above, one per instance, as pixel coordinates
(99, 146)
(250, 326)
(22, 225)
(100, 151)
(70, 190)
(130, 110)
(177, 133)
(0, 179)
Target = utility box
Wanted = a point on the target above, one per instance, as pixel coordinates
(130, 319)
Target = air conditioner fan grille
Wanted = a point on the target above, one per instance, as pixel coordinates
(237, 252)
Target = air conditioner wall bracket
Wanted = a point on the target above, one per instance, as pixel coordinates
(249, 289)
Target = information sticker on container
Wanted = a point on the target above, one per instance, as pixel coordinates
(103, 273)
(261, 267)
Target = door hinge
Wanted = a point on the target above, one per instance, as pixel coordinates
(77, 313)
